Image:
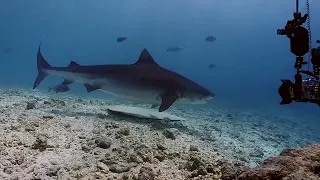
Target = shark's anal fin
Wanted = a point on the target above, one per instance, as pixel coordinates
(91, 88)
(67, 82)
(167, 100)
(154, 106)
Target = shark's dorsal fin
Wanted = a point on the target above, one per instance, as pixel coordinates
(73, 64)
(146, 58)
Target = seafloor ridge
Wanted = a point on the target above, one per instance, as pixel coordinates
(67, 137)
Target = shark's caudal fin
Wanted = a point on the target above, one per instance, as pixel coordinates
(42, 65)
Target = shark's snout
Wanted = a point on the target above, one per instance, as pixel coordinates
(210, 97)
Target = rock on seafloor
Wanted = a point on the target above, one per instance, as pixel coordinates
(291, 164)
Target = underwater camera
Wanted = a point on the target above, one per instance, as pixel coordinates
(307, 92)
(297, 21)
(298, 35)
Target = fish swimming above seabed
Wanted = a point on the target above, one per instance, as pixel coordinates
(211, 66)
(59, 88)
(210, 39)
(144, 81)
(7, 50)
(175, 49)
(120, 39)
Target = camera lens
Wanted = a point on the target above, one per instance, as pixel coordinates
(315, 57)
(280, 31)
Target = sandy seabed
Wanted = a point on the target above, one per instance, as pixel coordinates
(45, 136)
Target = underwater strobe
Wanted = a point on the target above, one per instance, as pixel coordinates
(306, 90)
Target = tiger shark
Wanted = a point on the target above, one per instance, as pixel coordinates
(144, 81)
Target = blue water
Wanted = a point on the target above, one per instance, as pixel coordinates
(250, 57)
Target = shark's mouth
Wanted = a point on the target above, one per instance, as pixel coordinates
(209, 98)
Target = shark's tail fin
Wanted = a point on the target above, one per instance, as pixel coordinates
(42, 65)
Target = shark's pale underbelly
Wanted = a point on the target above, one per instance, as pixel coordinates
(130, 91)
(116, 87)
(137, 95)
(135, 92)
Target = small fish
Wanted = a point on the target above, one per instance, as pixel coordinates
(175, 49)
(120, 39)
(211, 39)
(59, 88)
(212, 66)
(7, 50)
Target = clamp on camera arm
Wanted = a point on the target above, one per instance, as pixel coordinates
(301, 90)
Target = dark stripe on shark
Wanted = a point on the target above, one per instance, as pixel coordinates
(168, 85)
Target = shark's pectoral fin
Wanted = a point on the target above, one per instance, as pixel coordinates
(91, 88)
(167, 100)
(154, 106)
(67, 82)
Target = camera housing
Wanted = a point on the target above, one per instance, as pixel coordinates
(315, 56)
